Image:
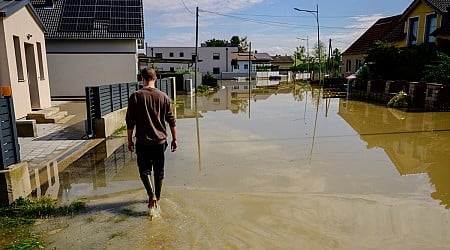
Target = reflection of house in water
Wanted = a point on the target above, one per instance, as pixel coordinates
(231, 95)
(416, 143)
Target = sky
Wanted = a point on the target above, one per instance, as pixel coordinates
(272, 26)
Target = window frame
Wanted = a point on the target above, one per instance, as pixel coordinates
(412, 30)
(19, 61)
(427, 33)
(216, 56)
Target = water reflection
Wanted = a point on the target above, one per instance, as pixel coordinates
(416, 143)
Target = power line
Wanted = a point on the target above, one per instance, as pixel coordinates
(280, 24)
(190, 11)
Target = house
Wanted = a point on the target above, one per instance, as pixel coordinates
(211, 59)
(91, 42)
(257, 62)
(353, 57)
(23, 61)
(282, 63)
(424, 21)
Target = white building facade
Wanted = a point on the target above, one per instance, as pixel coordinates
(211, 59)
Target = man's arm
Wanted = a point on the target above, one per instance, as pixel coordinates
(174, 144)
(130, 140)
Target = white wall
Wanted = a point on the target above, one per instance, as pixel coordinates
(71, 73)
(21, 24)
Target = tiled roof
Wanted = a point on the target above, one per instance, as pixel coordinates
(262, 57)
(282, 59)
(9, 7)
(52, 18)
(440, 5)
(376, 32)
(242, 56)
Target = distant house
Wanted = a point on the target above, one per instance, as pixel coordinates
(241, 61)
(424, 21)
(91, 42)
(23, 61)
(214, 60)
(282, 63)
(353, 57)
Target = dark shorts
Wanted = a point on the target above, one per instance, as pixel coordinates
(151, 156)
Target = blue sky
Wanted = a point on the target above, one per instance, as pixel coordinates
(272, 26)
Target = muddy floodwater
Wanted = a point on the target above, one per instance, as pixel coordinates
(271, 168)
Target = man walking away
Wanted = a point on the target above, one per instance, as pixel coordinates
(148, 110)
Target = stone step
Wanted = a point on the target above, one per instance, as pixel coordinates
(42, 114)
(65, 119)
(54, 118)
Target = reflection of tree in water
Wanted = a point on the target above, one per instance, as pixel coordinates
(439, 169)
(299, 91)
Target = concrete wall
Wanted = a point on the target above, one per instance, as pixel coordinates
(33, 91)
(206, 64)
(74, 64)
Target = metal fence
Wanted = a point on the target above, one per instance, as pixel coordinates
(104, 99)
(101, 100)
(10, 151)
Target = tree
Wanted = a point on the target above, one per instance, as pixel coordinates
(235, 41)
(439, 71)
(321, 48)
(335, 62)
(216, 43)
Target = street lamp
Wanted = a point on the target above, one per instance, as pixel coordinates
(316, 15)
(307, 48)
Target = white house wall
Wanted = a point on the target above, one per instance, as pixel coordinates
(21, 24)
(75, 64)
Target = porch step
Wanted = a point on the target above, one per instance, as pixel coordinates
(49, 115)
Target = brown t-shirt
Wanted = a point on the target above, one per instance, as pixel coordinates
(149, 110)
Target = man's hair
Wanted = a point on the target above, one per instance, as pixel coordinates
(148, 74)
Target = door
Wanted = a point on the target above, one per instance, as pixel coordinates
(33, 83)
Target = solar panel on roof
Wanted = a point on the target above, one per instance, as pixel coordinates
(123, 15)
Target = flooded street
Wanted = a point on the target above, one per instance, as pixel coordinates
(273, 168)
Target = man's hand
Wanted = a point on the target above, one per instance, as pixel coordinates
(174, 145)
(131, 146)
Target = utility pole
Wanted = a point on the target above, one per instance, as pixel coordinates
(196, 50)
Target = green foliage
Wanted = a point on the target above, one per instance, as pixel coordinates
(17, 219)
(439, 70)
(120, 130)
(390, 63)
(209, 79)
(183, 72)
(364, 73)
(235, 41)
(30, 243)
(335, 62)
(202, 89)
(216, 43)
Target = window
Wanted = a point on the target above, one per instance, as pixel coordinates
(413, 30)
(430, 27)
(348, 66)
(158, 55)
(216, 100)
(181, 54)
(171, 54)
(18, 58)
(41, 64)
(216, 56)
(216, 70)
(245, 66)
(172, 69)
(357, 64)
